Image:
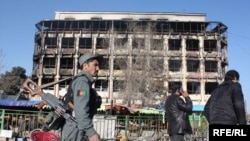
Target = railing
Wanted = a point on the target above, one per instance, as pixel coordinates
(110, 127)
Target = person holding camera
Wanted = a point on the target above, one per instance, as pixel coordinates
(178, 106)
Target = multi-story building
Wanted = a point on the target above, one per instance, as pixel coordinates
(144, 53)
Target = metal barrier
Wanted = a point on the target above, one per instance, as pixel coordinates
(21, 122)
(110, 127)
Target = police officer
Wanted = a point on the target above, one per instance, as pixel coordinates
(84, 101)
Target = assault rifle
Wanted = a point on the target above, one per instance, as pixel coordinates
(57, 117)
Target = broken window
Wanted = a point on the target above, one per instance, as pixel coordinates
(104, 64)
(85, 43)
(101, 85)
(121, 43)
(120, 25)
(192, 45)
(211, 66)
(193, 65)
(102, 43)
(49, 62)
(66, 63)
(138, 43)
(210, 45)
(85, 25)
(162, 26)
(141, 26)
(193, 87)
(99, 25)
(174, 65)
(68, 42)
(51, 42)
(47, 80)
(174, 44)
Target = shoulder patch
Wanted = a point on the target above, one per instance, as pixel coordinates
(81, 93)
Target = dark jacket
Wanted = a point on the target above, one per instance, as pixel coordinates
(177, 112)
(226, 105)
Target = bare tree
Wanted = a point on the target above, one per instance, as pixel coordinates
(1, 60)
(142, 70)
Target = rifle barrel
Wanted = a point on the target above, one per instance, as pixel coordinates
(52, 83)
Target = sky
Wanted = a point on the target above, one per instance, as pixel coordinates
(18, 19)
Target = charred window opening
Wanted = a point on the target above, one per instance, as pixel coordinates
(192, 45)
(100, 25)
(101, 85)
(85, 43)
(162, 26)
(47, 80)
(120, 26)
(104, 64)
(174, 44)
(51, 42)
(121, 43)
(66, 63)
(210, 86)
(141, 26)
(193, 65)
(174, 65)
(68, 42)
(138, 43)
(85, 26)
(193, 87)
(210, 45)
(211, 66)
(49, 62)
(101, 43)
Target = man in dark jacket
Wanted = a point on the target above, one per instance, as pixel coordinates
(178, 106)
(226, 103)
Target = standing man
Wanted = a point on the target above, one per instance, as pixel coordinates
(226, 103)
(178, 106)
(84, 101)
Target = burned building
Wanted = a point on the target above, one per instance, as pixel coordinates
(144, 53)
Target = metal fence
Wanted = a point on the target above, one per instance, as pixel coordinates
(139, 127)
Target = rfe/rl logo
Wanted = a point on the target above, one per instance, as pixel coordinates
(229, 132)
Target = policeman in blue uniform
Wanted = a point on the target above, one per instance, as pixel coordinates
(84, 101)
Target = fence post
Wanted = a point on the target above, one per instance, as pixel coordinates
(126, 126)
(2, 118)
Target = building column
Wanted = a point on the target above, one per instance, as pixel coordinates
(184, 63)
(202, 69)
